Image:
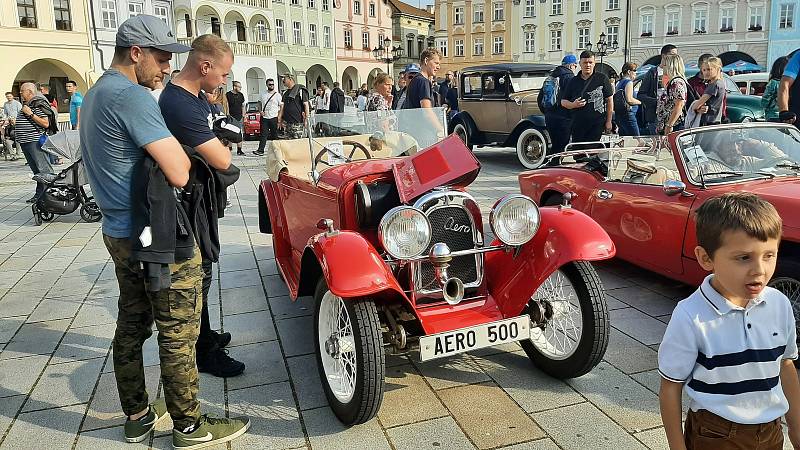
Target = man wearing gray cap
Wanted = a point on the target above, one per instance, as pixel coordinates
(120, 123)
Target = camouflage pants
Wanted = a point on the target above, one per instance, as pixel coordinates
(176, 312)
(294, 130)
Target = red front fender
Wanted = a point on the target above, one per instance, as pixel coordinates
(565, 235)
(351, 265)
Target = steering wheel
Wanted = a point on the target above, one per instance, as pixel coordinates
(349, 158)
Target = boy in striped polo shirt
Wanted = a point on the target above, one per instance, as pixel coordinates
(732, 343)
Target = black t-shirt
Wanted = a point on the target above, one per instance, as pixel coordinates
(293, 108)
(189, 118)
(420, 89)
(235, 103)
(595, 91)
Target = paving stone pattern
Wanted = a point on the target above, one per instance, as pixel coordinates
(58, 307)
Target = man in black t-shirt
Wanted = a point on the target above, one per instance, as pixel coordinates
(236, 110)
(189, 117)
(423, 94)
(589, 98)
(294, 110)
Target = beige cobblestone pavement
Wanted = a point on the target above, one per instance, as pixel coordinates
(58, 307)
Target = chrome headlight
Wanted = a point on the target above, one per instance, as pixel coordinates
(514, 219)
(404, 232)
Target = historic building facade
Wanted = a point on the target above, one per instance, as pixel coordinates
(412, 29)
(45, 41)
(784, 29)
(732, 29)
(361, 26)
(474, 31)
(544, 32)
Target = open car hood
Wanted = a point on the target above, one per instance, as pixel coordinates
(446, 163)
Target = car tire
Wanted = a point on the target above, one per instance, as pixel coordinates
(357, 398)
(462, 132)
(531, 148)
(786, 280)
(592, 312)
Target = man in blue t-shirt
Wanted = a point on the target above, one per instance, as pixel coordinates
(789, 91)
(189, 117)
(75, 103)
(120, 123)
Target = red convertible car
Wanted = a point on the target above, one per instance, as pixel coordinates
(643, 192)
(375, 221)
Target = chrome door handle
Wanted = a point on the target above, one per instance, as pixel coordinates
(604, 194)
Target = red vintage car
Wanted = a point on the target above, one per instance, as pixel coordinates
(375, 221)
(252, 120)
(643, 192)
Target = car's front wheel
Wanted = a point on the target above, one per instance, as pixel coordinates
(786, 280)
(462, 132)
(575, 337)
(350, 355)
(531, 148)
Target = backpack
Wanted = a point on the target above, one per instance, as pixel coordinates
(51, 116)
(548, 95)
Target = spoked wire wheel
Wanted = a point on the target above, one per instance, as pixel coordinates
(350, 355)
(559, 339)
(337, 347)
(575, 336)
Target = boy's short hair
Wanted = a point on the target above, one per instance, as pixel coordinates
(736, 211)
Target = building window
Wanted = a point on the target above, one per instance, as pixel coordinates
(612, 5)
(357, 7)
(280, 36)
(477, 47)
(261, 32)
(726, 19)
(459, 45)
(443, 48)
(134, 9)
(530, 42)
(498, 47)
(312, 4)
(326, 36)
(296, 2)
(786, 16)
(556, 9)
(530, 8)
(108, 9)
(162, 12)
(348, 39)
(555, 40)
(372, 9)
(584, 6)
(215, 27)
(673, 22)
(499, 12)
(241, 31)
(756, 17)
(477, 13)
(326, 5)
(187, 21)
(458, 15)
(646, 25)
(583, 37)
(612, 34)
(365, 41)
(410, 47)
(312, 35)
(27, 13)
(297, 33)
(61, 14)
(700, 22)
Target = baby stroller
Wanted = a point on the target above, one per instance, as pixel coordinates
(64, 192)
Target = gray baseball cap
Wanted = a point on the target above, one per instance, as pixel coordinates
(148, 32)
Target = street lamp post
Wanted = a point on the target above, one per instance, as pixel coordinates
(387, 54)
(603, 47)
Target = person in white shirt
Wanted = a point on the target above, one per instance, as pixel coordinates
(270, 106)
(327, 95)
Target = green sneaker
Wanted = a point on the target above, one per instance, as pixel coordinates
(210, 431)
(138, 430)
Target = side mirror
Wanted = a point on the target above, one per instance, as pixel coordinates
(674, 187)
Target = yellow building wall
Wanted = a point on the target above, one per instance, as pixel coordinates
(36, 54)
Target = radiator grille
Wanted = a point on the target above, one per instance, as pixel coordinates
(448, 226)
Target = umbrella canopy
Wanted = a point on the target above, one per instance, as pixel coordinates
(743, 66)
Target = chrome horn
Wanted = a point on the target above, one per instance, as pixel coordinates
(452, 288)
